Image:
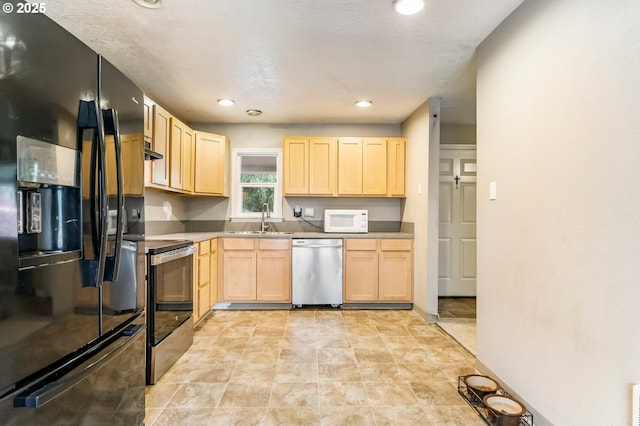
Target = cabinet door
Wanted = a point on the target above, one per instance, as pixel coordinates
(148, 118)
(239, 275)
(132, 146)
(323, 158)
(396, 163)
(112, 188)
(209, 163)
(181, 156)
(188, 143)
(176, 176)
(295, 161)
(196, 284)
(204, 280)
(396, 283)
(374, 166)
(132, 156)
(274, 276)
(161, 138)
(350, 166)
(204, 270)
(203, 302)
(213, 277)
(361, 276)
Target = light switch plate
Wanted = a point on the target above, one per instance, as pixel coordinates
(309, 212)
(493, 191)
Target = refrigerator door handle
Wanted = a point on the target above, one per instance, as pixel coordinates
(47, 391)
(112, 127)
(89, 117)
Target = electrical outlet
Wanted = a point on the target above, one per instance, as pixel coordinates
(309, 212)
(297, 211)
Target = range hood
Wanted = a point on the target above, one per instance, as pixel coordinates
(149, 154)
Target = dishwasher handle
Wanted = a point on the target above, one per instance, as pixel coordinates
(304, 244)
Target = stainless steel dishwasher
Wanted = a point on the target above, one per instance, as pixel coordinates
(316, 272)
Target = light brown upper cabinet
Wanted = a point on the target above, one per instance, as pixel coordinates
(309, 166)
(295, 160)
(322, 166)
(181, 156)
(350, 166)
(211, 164)
(362, 166)
(132, 155)
(157, 171)
(344, 167)
(396, 166)
(195, 163)
(132, 146)
(148, 119)
(374, 166)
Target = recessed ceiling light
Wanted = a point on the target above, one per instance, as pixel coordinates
(254, 112)
(364, 103)
(149, 4)
(226, 102)
(408, 7)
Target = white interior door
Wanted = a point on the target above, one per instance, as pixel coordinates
(457, 234)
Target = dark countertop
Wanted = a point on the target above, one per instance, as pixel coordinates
(202, 236)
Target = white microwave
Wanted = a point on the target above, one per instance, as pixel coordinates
(346, 221)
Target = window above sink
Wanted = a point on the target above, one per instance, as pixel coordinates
(256, 179)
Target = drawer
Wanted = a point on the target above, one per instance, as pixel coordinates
(274, 244)
(396, 244)
(361, 244)
(238, 243)
(205, 247)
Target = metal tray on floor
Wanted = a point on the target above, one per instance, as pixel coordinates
(475, 401)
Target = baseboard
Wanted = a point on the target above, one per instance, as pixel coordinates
(431, 318)
(406, 306)
(538, 418)
(227, 306)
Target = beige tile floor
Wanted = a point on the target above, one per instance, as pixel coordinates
(458, 319)
(315, 367)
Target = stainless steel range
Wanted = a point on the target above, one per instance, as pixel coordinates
(169, 304)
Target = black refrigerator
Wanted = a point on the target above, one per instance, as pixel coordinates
(72, 294)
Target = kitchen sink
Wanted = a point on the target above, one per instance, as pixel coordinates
(257, 232)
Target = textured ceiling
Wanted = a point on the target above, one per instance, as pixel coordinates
(299, 61)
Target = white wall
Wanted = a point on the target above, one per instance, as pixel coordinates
(558, 273)
(163, 206)
(421, 130)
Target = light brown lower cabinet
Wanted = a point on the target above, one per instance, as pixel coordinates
(205, 278)
(255, 270)
(378, 270)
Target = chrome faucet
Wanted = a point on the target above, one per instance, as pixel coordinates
(263, 225)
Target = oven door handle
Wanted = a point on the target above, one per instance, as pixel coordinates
(160, 258)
